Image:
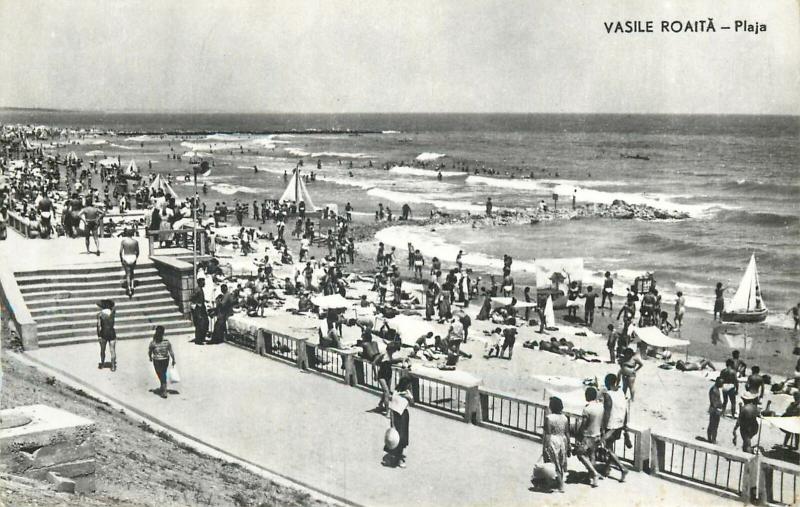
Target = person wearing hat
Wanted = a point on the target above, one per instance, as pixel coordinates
(747, 423)
(106, 334)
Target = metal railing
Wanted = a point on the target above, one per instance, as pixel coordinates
(243, 340)
(281, 346)
(177, 238)
(439, 394)
(326, 360)
(367, 374)
(704, 464)
(780, 482)
(511, 412)
(727, 471)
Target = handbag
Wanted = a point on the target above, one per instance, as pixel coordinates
(391, 439)
(543, 471)
(173, 377)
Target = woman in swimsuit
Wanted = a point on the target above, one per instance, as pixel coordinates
(628, 366)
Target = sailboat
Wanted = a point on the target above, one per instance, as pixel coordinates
(747, 305)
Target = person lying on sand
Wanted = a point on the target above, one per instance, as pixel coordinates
(699, 365)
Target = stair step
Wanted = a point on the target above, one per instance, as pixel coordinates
(93, 294)
(24, 281)
(106, 283)
(91, 323)
(171, 335)
(43, 308)
(127, 329)
(88, 269)
(44, 317)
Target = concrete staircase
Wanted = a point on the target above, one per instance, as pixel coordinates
(63, 302)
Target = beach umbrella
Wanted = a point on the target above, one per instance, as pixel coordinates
(788, 424)
(331, 302)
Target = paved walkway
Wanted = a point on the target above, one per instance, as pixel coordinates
(320, 432)
(23, 254)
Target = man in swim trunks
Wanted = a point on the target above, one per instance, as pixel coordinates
(128, 254)
(508, 283)
(680, 309)
(93, 219)
(106, 334)
(608, 291)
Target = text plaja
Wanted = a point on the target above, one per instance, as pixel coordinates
(680, 26)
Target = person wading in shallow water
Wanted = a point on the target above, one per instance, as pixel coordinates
(159, 353)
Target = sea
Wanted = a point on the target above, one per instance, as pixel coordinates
(735, 176)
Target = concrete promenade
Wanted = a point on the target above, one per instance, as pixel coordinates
(22, 254)
(321, 433)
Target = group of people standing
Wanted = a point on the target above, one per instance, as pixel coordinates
(602, 423)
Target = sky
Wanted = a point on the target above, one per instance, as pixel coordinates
(336, 56)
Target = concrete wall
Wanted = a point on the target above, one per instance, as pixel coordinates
(178, 276)
(14, 312)
(22, 225)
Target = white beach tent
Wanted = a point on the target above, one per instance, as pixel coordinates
(549, 314)
(653, 336)
(161, 183)
(332, 302)
(132, 171)
(109, 162)
(297, 192)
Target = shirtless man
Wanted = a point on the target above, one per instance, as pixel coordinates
(680, 310)
(93, 219)
(128, 254)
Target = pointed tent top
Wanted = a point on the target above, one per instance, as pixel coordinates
(132, 169)
(297, 192)
(161, 183)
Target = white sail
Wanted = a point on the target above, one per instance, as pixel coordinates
(549, 315)
(296, 192)
(748, 295)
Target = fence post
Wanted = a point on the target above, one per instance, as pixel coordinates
(473, 412)
(350, 377)
(302, 357)
(261, 347)
(750, 476)
(657, 453)
(483, 399)
(641, 454)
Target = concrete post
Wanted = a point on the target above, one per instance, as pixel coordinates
(473, 411)
(750, 479)
(302, 357)
(349, 364)
(657, 452)
(641, 455)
